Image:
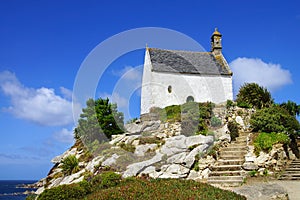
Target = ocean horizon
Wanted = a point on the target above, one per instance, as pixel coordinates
(14, 190)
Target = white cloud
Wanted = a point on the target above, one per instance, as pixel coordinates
(129, 73)
(116, 98)
(41, 106)
(64, 135)
(66, 92)
(248, 70)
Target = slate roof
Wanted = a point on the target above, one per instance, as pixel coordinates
(188, 62)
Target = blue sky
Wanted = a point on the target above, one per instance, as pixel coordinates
(44, 43)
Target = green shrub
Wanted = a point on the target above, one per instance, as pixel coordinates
(194, 117)
(128, 147)
(215, 122)
(229, 104)
(243, 104)
(213, 151)
(106, 180)
(233, 129)
(150, 140)
(70, 165)
(66, 192)
(253, 173)
(265, 141)
(253, 95)
(274, 119)
(31, 197)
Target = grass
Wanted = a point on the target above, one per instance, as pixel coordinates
(143, 189)
(265, 141)
(110, 186)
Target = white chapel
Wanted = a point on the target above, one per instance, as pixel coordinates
(172, 77)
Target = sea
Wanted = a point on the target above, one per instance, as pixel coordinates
(13, 189)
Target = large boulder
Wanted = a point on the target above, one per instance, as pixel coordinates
(134, 128)
(174, 171)
(136, 168)
(181, 143)
(190, 158)
(240, 121)
(111, 160)
(174, 145)
(140, 150)
(73, 178)
(96, 161)
(177, 158)
(198, 139)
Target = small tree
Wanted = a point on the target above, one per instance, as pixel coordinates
(99, 121)
(253, 95)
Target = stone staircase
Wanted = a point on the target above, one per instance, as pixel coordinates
(292, 172)
(227, 171)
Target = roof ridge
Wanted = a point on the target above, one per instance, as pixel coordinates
(185, 51)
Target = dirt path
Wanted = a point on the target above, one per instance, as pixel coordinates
(266, 189)
(292, 188)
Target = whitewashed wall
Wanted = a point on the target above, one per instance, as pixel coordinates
(155, 93)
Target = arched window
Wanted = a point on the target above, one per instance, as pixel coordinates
(190, 99)
(169, 88)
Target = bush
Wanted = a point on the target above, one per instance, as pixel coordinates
(253, 95)
(194, 117)
(70, 165)
(215, 122)
(229, 104)
(253, 173)
(128, 147)
(66, 192)
(150, 140)
(233, 129)
(265, 141)
(31, 197)
(274, 119)
(106, 180)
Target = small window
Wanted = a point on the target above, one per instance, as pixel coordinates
(169, 88)
(190, 99)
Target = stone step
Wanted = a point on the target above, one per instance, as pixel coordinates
(230, 162)
(225, 173)
(233, 153)
(292, 169)
(226, 167)
(292, 172)
(291, 175)
(243, 137)
(294, 165)
(231, 157)
(234, 148)
(292, 178)
(232, 178)
(241, 146)
(239, 143)
(225, 183)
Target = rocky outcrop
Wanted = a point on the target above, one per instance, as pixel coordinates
(159, 150)
(147, 148)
